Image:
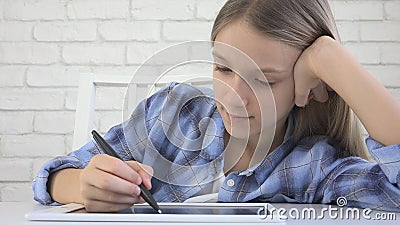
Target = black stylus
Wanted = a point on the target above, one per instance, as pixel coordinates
(146, 195)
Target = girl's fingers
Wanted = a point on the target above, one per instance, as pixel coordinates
(94, 193)
(310, 97)
(301, 97)
(138, 167)
(117, 167)
(109, 184)
(144, 171)
(100, 206)
(107, 181)
(304, 90)
(320, 92)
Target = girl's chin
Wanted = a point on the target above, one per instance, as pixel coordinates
(238, 132)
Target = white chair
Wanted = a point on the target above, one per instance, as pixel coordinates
(137, 91)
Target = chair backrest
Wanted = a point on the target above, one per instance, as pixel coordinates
(137, 91)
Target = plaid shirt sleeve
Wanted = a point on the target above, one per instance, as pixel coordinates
(77, 159)
(374, 185)
(388, 159)
(162, 132)
(80, 158)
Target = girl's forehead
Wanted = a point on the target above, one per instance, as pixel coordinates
(266, 52)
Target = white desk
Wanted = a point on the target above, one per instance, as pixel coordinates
(12, 213)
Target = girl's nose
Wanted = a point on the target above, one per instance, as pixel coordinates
(240, 89)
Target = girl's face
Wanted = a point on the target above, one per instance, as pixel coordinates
(245, 96)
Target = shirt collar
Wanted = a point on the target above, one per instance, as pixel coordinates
(286, 142)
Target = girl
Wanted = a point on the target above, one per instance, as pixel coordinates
(316, 154)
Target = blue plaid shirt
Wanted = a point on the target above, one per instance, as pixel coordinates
(183, 141)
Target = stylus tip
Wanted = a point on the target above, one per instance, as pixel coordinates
(159, 211)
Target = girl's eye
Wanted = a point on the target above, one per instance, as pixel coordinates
(222, 69)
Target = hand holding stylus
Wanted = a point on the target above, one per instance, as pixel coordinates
(109, 184)
(144, 192)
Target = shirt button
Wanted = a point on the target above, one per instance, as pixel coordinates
(230, 182)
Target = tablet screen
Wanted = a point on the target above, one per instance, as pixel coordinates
(243, 213)
(206, 210)
(199, 210)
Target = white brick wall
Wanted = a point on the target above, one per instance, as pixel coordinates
(98, 9)
(31, 10)
(45, 44)
(65, 31)
(163, 10)
(29, 53)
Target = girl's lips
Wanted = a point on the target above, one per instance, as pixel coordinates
(235, 118)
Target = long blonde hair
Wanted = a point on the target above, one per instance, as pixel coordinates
(299, 24)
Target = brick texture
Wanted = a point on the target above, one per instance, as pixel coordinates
(34, 10)
(68, 32)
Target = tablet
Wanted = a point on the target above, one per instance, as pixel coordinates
(172, 212)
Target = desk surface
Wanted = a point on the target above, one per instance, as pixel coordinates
(13, 213)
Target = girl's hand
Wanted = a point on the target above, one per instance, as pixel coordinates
(108, 184)
(308, 85)
(327, 62)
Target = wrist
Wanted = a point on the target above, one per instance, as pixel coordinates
(328, 54)
(64, 186)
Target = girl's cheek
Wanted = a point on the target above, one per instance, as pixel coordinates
(220, 87)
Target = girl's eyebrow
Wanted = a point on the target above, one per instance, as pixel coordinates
(220, 58)
(264, 70)
(216, 55)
